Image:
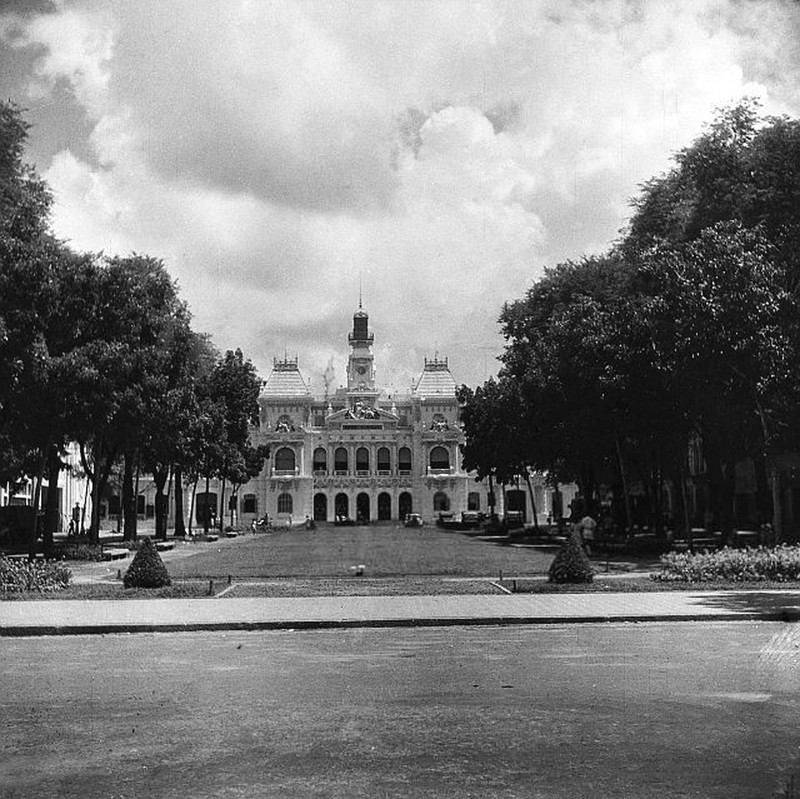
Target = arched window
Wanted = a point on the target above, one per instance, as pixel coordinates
(404, 460)
(285, 503)
(362, 459)
(384, 461)
(320, 460)
(284, 460)
(440, 458)
(441, 502)
(340, 460)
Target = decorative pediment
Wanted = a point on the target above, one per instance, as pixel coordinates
(362, 412)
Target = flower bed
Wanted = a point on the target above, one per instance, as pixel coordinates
(19, 576)
(778, 564)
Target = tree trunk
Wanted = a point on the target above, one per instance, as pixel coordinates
(533, 501)
(94, 525)
(51, 513)
(492, 502)
(658, 498)
(82, 530)
(191, 506)
(234, 501)
(104, 461)
(222, 506)
(168, 494)
(37, 495)
(774, 476)
(777, 505)
(89, 481)
(136, 495)
(180, 525)
(160, 480)
(625, 492)
(683, 477)
(206, 509)
(129, 497)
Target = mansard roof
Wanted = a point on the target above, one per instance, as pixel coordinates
(435, 380)
(285, 380)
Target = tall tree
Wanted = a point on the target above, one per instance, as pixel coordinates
(234, 385)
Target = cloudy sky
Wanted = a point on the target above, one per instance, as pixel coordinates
(442, 154)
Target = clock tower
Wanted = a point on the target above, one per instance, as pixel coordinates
(360, 365)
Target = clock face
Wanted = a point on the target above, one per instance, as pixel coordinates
(361, 369)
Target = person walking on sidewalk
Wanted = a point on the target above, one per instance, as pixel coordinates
(587, 527)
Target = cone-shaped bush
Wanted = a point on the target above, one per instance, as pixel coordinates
(570, 564)
(147, 570)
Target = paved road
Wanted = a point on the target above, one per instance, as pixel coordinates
(663, 710)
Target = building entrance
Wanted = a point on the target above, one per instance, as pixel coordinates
(384, 507)
(342, 506)
(320, 508)
(362, 508)
(404, 505)
(515, 501)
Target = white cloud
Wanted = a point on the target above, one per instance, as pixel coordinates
(257, 148)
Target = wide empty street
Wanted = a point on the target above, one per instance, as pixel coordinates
(629, 710)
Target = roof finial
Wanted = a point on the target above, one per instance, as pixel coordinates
(360, 276)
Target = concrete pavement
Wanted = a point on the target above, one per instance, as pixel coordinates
(76, 617)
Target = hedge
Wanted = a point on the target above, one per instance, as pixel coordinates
(778, 564)
(20, 576)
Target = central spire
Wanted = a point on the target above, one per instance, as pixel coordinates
(360, 367)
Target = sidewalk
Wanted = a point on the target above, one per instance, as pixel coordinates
(77, 617)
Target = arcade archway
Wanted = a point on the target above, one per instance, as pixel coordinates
(342, 506)
(384, 507)
(362, 508)
(320, 507)
(404, 505)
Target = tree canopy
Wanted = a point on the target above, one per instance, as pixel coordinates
(685, 332)
(99, 350)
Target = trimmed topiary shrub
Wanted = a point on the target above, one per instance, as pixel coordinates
(571, 565)
(147, 570)
(18, 575)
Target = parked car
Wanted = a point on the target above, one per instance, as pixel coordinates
(413, 520)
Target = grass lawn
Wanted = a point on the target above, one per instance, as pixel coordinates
(271, 588)
(385, 551)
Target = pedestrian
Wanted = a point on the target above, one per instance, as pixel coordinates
(587, 526)
(76, 520)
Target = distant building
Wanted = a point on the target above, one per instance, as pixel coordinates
(361, 453)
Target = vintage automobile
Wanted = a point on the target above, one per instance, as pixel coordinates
(413, 520)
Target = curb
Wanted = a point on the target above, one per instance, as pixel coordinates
(29, 631)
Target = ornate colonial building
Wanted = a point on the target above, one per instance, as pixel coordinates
(360, 453)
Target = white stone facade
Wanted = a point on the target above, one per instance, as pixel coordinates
(360, 453)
